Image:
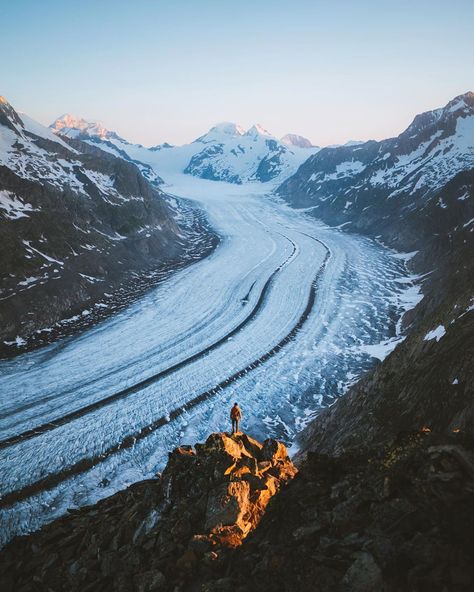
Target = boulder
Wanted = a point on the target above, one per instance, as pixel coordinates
(150, 581)
(274, 450)
(364, 575)
(221, 443)
(253, 447)
(227, 505)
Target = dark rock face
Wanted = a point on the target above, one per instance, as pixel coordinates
(423, 383)
(398, 519)
(270, 165)
(77, 224)
(206, 166)
(157, 534)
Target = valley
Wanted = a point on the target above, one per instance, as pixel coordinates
(263, 319)
(263, 296)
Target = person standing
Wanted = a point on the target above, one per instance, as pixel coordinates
(235, 416)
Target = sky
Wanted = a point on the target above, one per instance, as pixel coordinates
(167, 70)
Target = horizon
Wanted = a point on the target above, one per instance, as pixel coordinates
(323, 72)
(244, 128)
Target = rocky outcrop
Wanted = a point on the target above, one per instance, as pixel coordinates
(398, 517)
(396, 520)
(158, 534)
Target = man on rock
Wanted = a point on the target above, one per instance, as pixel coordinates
(235, 416)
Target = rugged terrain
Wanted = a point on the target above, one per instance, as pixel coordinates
(413, 192)
(383, 188)
(284, 324)
(416, 193)
(383, 500)
(83, 232)
(399, 518)
(157, 534)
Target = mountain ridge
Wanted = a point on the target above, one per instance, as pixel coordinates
(229, 152)
(77, 222)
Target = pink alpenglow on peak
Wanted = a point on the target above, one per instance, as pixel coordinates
(224, 130)
(72, 127)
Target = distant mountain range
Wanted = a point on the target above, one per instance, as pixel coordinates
(225, 153)
(413, 191)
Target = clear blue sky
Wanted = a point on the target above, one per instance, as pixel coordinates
(156, 70)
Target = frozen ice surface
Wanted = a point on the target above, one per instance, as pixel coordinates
(359, 299)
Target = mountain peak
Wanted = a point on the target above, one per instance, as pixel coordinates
(227, 127)
(297, 141)
(221, 131)
(72, 127)
(257, 130)
(460, 106)
(464, 101)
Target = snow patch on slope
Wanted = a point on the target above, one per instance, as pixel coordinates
(13, 206)
(436, 333)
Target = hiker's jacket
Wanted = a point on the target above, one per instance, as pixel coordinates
(235, 412)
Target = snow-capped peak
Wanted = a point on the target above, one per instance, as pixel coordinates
(459, 107)
(297, 141)
(229, 128)
(72, 127)
(464, 102)
(257, 130)
(221, 132)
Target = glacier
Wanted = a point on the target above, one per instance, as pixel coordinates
(282, 317)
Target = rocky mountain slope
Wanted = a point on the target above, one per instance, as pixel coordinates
(396, 519)
(157, 534)
(77, 223)
(233, 514)
(383, 188)
(225, 153)
(96, 134)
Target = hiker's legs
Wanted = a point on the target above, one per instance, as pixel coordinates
(234, 426)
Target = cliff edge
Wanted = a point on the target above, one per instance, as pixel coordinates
(158, 534)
